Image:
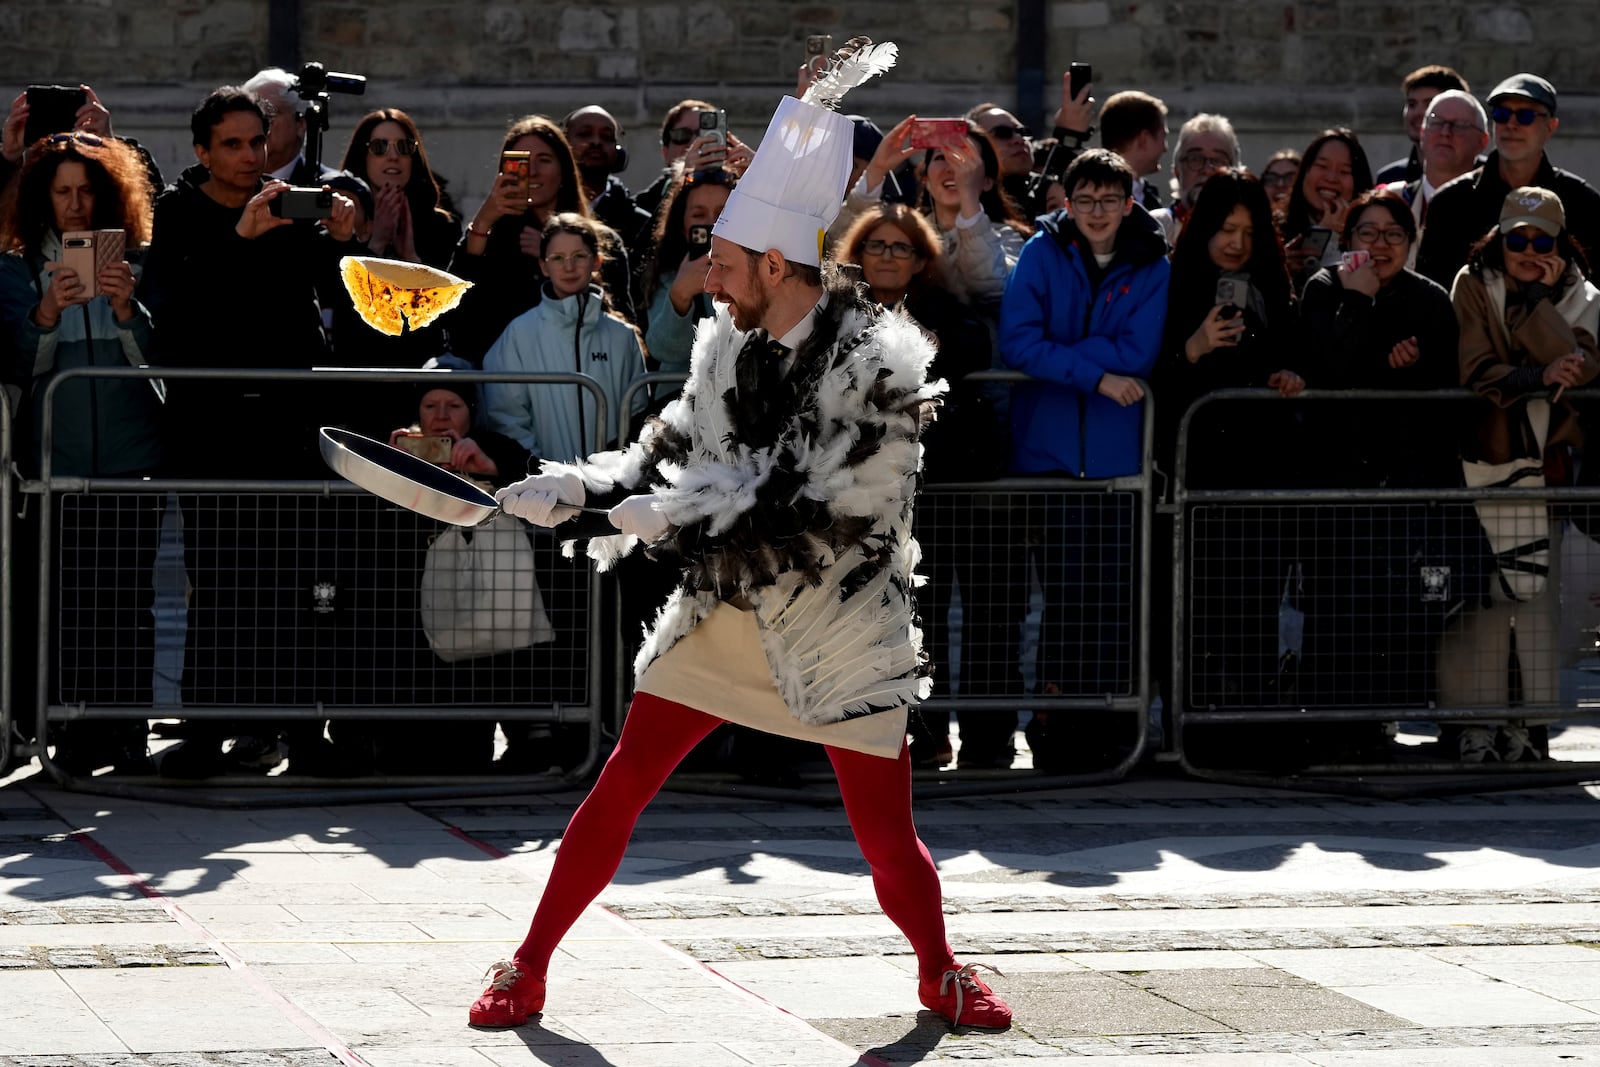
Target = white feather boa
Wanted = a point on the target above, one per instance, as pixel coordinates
(848, 645)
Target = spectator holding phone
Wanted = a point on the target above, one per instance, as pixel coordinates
(676, 274)
(1334, 172)
(68, 110)
(500, 252)
(1230, 324)
(60, 319)
(1530, 317)
(979, 228)
(1371, 323)
(231, 282)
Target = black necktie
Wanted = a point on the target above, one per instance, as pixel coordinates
(772, 360)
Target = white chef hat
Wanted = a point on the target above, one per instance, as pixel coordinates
(792, 191)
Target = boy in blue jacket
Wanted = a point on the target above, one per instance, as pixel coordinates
(1083, 314)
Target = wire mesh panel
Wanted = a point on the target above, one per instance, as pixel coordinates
(981, 553)
(272, 600)
(1391, 606)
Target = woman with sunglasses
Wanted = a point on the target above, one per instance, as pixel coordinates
(1529, 320)
(901, 261)
(409, 221)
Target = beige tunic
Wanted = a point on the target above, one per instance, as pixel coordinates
(719, 668)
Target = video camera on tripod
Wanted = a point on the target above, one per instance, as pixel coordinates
(313, 86)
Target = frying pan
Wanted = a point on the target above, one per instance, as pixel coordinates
(404, 479)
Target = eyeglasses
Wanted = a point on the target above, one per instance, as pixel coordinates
(1454, 129)
(1525, 116)
(1088, 205)
(76, 136)
(1005, 133)
(379, 146)
(1543, 244)
(577, 259)
(1389, 235)
(1195, 162)
(1276, 178)
(896, 249)
(679, 135)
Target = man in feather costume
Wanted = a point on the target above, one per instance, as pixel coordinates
(782, 478)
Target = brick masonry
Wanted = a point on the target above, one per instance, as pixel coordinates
(1280, 69)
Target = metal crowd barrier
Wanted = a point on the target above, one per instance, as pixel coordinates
(8, 740)
(1320, 609)
(1087, 544)
(297, 600)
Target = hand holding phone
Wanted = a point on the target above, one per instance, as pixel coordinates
(1077, 106)
(52, 109)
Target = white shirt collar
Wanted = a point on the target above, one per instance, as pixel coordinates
(287, 169)
(802, 329)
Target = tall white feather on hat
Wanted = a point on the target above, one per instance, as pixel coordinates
(793, 189)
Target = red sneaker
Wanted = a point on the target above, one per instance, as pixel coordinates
(511, 997)
(964, 999)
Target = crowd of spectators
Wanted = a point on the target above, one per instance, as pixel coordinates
(1092, 268)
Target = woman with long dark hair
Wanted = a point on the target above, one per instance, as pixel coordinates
(501, 251)
(1333, 172)
(674, 279)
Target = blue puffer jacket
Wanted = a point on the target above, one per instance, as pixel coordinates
(1067, 323)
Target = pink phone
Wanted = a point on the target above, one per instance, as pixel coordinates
(88, 252)
(937, 133)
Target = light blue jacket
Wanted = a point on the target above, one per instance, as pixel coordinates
(572, 335)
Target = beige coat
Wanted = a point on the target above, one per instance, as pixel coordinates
(1494, 345)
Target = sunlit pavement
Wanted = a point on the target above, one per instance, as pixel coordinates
(1152, 919)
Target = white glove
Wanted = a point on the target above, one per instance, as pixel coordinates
(637, 515)
(538, 498)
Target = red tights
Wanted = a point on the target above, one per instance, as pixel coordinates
(657, 735)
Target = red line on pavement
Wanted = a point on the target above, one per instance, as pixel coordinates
(863, 1059)
(315, 1030)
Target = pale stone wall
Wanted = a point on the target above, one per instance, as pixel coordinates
(1281, 70)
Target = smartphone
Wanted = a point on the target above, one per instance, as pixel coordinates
(433, 448)
(303, 204)
(819, 44)
(1079, 75)
(520, 164)
(52, 109)
(938, 133)
(715, 123)
(699, 240)
(1354, 259)
(1314, 242)
(1233, 293)
(87, 252)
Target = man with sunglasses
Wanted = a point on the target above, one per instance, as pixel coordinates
(1523, 111)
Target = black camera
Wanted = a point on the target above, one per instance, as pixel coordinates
(302, 204)
(313, 86)
(315, 78)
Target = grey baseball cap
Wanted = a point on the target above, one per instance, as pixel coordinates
(1530, 86)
